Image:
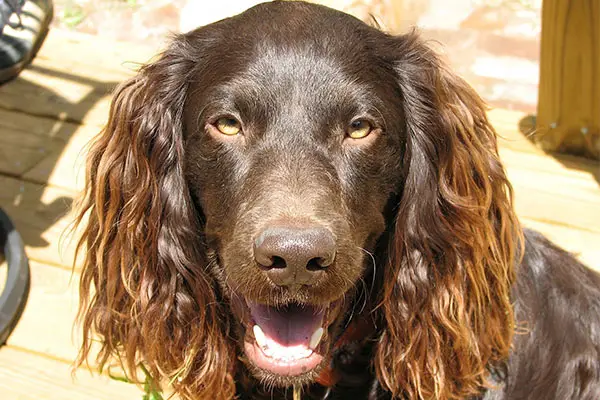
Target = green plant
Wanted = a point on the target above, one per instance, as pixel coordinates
(73, 15)
(150, 388)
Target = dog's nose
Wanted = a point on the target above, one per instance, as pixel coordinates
(294, 256)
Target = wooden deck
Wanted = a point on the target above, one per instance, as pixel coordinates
(55, 107)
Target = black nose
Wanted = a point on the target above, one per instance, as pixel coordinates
(294, 256)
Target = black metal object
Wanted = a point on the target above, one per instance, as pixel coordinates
(16, 289)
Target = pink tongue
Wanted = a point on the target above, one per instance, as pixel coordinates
(291, 325)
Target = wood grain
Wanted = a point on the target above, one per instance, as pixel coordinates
(569, 90)
(29, 376)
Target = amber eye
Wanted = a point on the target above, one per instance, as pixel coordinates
(359, 129)
(228, 126)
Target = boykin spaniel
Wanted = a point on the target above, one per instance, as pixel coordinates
(290, 203)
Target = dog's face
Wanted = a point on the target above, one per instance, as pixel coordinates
(293, 152)
(273, 178)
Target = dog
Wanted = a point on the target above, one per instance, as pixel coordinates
(290, 203)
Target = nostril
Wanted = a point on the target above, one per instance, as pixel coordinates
(273, 262)
(278, 263)
(317, 264)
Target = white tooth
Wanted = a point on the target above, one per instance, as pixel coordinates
(259, 335)
(307, 353)
(316, 338)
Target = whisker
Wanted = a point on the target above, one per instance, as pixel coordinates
(374, 266)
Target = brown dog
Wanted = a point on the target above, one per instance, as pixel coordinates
(290, 197)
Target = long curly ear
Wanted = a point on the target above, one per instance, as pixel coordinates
(145, 290)
(446, 301)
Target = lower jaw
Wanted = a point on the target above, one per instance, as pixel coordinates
(286, 371)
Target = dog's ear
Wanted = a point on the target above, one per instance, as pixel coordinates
(145, 290)
(446, 300)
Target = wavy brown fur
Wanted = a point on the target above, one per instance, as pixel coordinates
(447, 302)
(143, 288)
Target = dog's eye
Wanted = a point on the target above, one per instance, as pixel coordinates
(359, 129)
(228, 126)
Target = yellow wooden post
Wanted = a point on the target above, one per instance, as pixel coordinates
(568, 118)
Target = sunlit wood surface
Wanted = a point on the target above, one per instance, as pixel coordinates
(56, 106)
(569, 94)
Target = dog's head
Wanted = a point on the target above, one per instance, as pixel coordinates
(274, 177)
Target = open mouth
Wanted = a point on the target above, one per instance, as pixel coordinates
(290, 340)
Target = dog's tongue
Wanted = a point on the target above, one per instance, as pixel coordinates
(287, 331)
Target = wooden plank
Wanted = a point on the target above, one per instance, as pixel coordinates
(58, 95)
(79, 93)
(507, 124)
(20, 151)
(39, 126)
(64, 167)
(568, 166)
(551, 178)
(51, 308)
(569, 95)
(513, 143)
(559, 210)
(28, 376)
(40, 215)
(510, 137)
(577, 163)
(583, 244)
(43, 150)
(98, 52)
(116, 71)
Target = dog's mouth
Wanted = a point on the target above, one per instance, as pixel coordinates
(288, 341)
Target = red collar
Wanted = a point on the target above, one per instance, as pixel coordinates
(358, 329)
